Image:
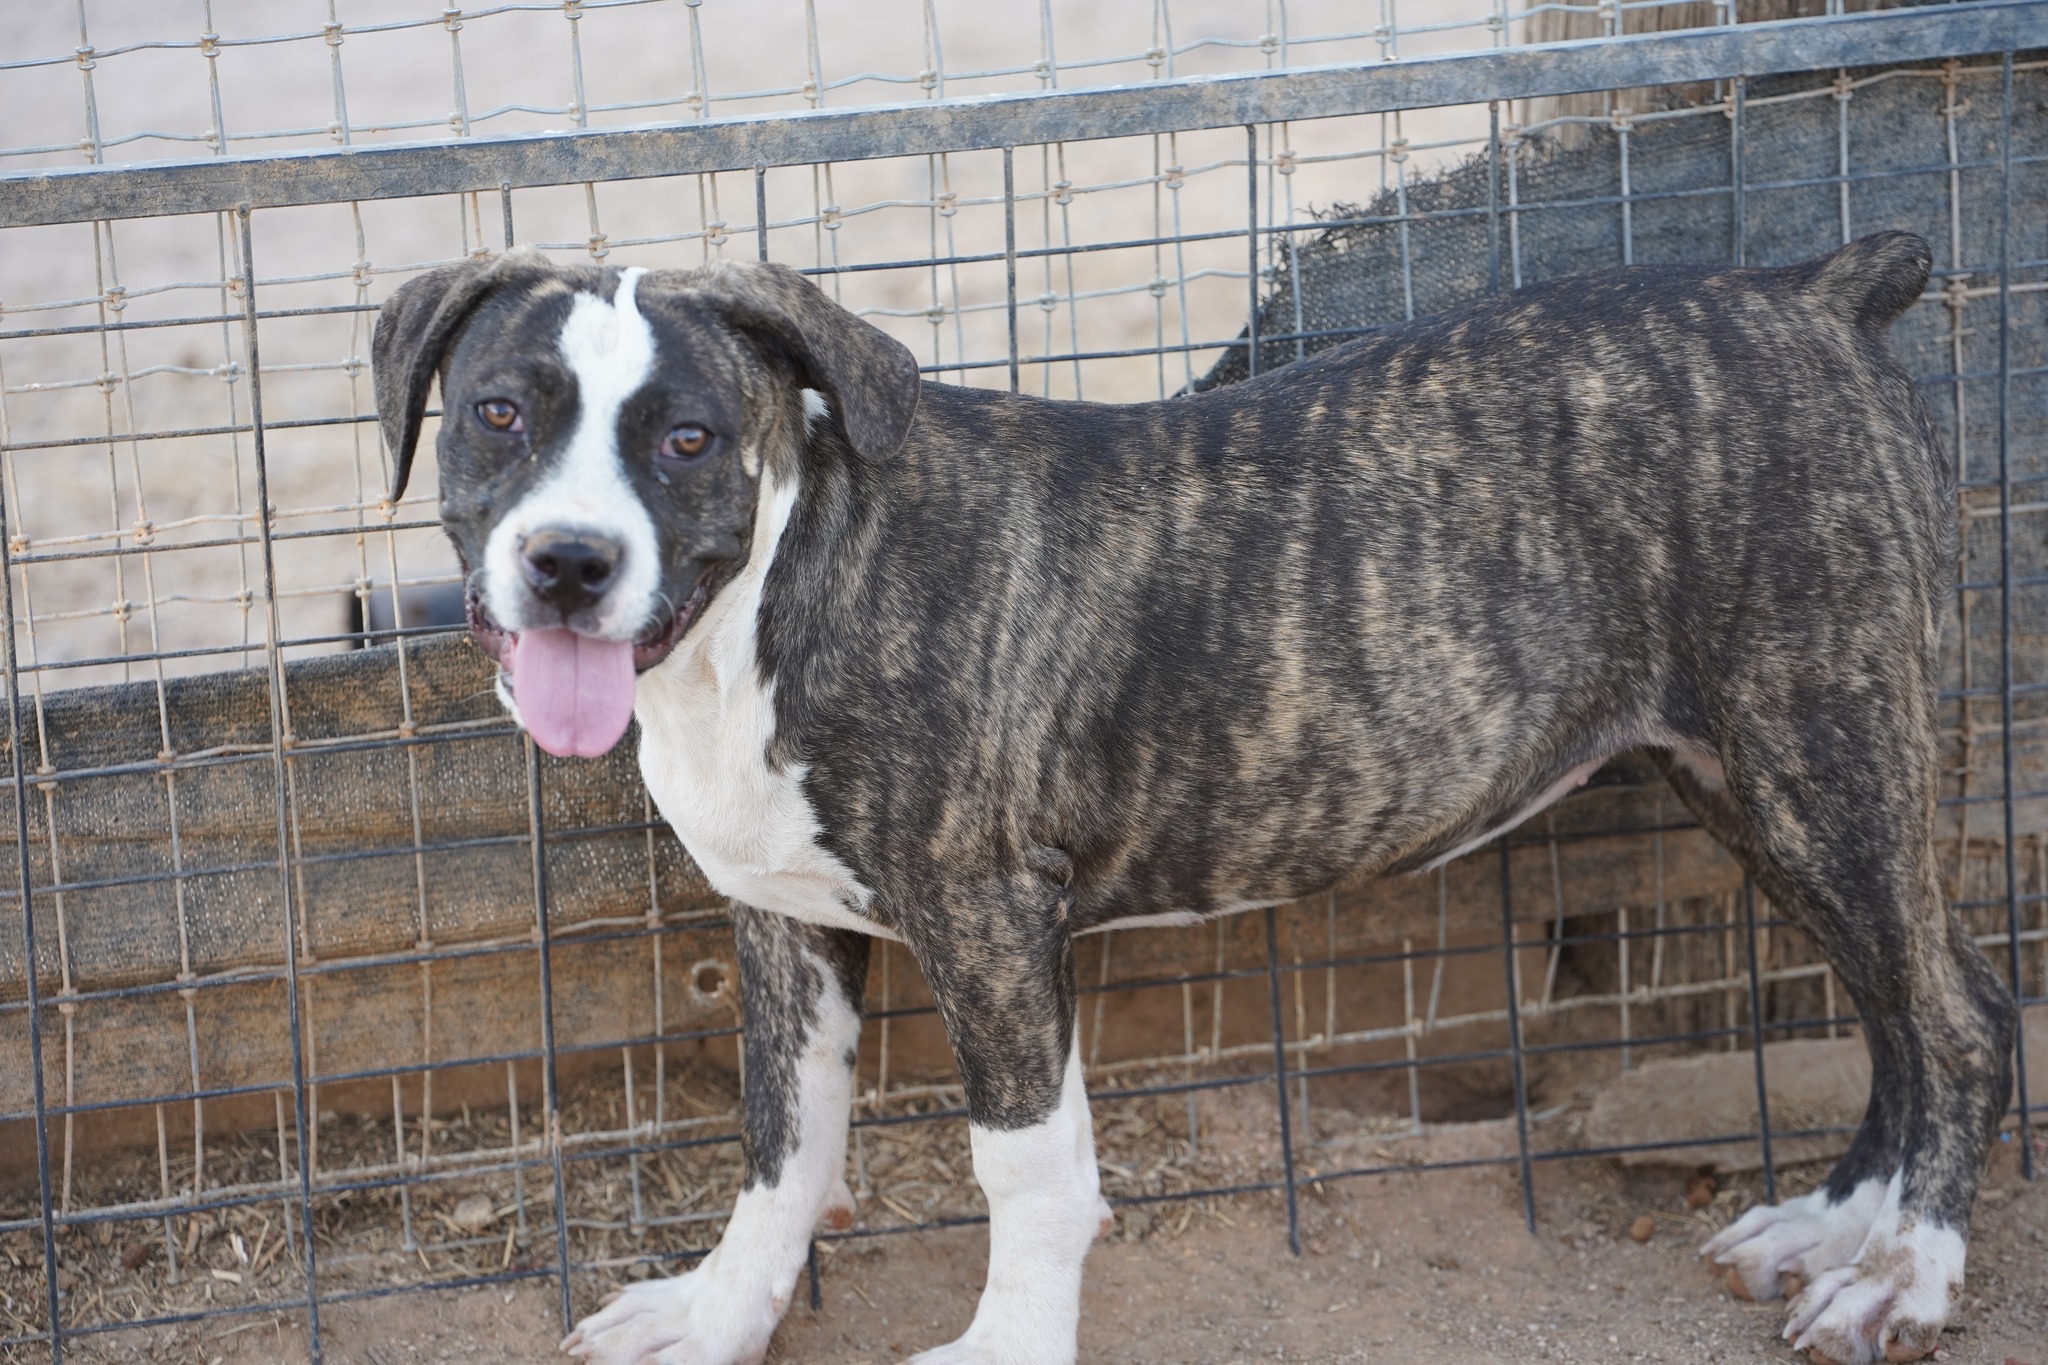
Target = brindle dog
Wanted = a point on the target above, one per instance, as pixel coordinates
(979, 671)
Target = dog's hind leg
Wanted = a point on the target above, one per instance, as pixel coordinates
(1774, 1248)
(1831, 808)
(1004, 985)
(802, 987)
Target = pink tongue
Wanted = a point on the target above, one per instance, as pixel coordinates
(575, 694)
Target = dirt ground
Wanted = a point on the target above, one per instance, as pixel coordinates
(1419, 1269)
(1422, 1269)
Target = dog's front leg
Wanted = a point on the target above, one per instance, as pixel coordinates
(802, 987)
(1006, 992)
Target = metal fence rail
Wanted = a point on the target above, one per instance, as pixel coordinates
(744, 142)
(190, 478)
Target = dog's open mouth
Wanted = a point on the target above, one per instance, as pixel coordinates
(575, 692)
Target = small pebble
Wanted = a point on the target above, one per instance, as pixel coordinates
(1643, 1229)
(474, 1213)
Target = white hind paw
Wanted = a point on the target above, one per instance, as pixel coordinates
(1890, 1305)
(1801, 1237)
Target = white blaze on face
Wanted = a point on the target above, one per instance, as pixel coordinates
(574, 689)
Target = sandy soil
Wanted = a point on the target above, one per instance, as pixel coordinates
(1418, 1269)
(1426, 1268)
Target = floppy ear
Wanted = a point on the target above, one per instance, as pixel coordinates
(869, 377)
(413, 330)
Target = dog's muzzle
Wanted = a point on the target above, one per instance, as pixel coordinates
(574, 691)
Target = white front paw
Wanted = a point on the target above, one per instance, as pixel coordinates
(1012, 1340)
(952, 1353)
(965, 1352)
(689, 1320)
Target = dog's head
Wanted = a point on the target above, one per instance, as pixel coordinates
(604, 438)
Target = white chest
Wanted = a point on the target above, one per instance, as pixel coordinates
(706, 720)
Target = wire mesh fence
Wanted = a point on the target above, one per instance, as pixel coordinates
(329, 988)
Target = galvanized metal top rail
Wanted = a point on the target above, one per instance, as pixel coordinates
(211, 184)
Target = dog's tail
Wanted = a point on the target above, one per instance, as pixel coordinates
(1873, 279)
(1868, 284)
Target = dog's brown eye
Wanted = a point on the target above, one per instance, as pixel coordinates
(686, 442)
(499, 415)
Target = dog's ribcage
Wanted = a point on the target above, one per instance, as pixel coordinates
(1220, 652)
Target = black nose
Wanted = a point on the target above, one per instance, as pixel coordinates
(570, 570)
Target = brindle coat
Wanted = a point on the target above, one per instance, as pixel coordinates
(1050, 665)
